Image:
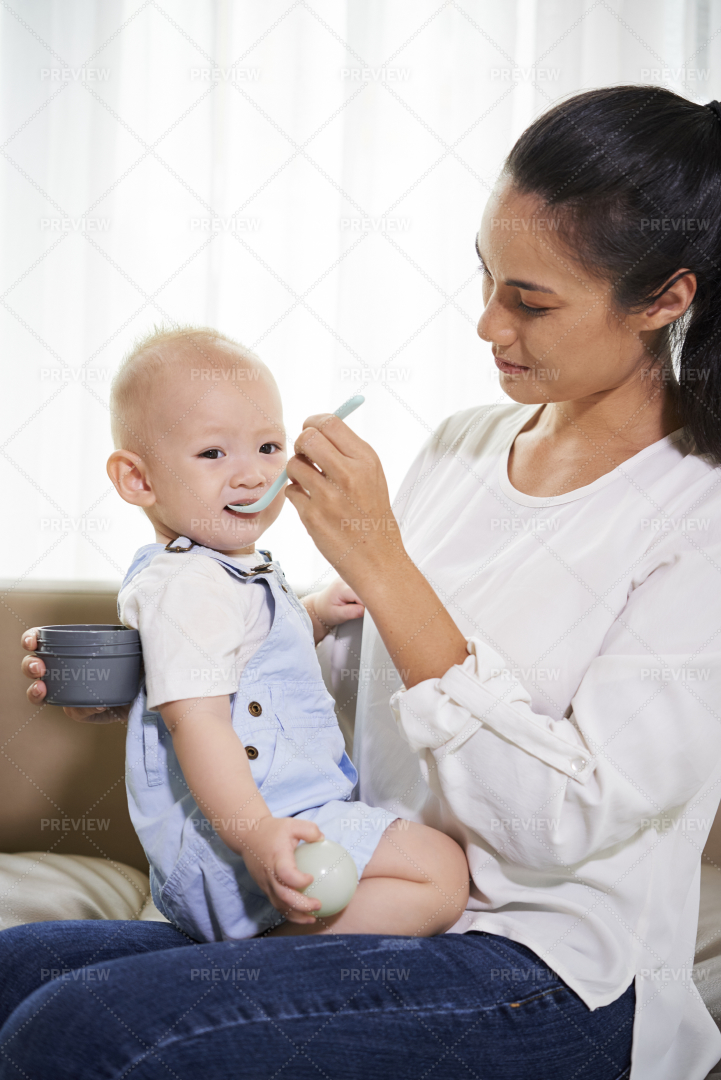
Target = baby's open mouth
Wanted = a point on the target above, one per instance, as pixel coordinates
(232, 508)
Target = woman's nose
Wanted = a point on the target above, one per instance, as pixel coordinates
(491, 328)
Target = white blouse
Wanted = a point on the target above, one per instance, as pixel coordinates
(576, 753)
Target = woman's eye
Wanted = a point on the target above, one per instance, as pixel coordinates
(521, 307)
(211, 454)
(269, 448)
(531, 310)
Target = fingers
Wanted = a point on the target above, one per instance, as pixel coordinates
(303, 475)
(348, 612)
(292, 904)
(318, 419)
(346, 594)
(300, 499)
(289, 873)
(326, 438)
(296, 917)
(285, 865)
(32, 667)
(84, 715)
(36, 693)
(274, 867)
(302, 829)
(346, 603)
(314, 445)
(308, 483)
(335, 431)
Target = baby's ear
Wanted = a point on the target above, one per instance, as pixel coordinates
(129, 475)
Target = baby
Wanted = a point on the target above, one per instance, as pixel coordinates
(234, 754)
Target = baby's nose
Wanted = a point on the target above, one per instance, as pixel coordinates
(248, 476)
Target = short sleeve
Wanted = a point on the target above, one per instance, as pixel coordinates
(192, 619)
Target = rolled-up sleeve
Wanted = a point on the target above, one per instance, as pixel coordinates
(639, 741)
(476, 693)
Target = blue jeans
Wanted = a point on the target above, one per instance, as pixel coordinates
(114, 999)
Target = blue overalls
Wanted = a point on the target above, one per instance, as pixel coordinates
(285, 719)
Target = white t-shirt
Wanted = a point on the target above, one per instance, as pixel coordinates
(576, 753)
(198, 626)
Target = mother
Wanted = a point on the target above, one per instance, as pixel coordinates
(544, 590)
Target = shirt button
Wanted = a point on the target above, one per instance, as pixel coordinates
(255, 709)
(578, 764)
(252, 752)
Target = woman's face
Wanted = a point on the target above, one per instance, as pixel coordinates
(554, 332)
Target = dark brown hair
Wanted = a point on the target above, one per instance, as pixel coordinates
(633, 174)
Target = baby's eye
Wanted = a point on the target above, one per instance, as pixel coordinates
(212, 454)
(269, 448)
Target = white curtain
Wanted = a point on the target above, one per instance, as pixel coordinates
(305, 175)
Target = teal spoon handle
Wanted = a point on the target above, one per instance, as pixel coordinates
(265, 500)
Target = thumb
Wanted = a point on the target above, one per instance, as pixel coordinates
(348, 612)
(345, 594)
(286, 866)
(288, 873)
(303, 829)
(30, 639)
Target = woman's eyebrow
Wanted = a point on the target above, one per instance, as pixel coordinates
(516, 283)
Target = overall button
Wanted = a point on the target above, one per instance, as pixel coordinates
(252, 752)
(255, 708)
(578, 764)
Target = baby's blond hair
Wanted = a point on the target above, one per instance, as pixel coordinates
(154, 354)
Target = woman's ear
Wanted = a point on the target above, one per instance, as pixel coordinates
(678, 292)
(129, 475)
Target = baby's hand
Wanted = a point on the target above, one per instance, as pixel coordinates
(336, 604)
(270, 859)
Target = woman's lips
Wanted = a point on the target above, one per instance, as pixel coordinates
(508, 368)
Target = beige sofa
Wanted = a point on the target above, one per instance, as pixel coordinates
(62, 783)
(70, 849)
(67, 847)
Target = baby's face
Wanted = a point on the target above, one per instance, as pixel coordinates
(218, 442)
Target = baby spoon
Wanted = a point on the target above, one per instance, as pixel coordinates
(265, 500)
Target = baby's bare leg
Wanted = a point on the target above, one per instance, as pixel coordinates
(416, 884)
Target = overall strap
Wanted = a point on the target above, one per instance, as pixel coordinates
(145, 555)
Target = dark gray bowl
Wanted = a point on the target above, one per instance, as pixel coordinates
(89, 664)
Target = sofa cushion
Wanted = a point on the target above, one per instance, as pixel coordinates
(37, 886)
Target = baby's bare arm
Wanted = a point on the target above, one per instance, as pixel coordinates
(215, 765)
(216, 769)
